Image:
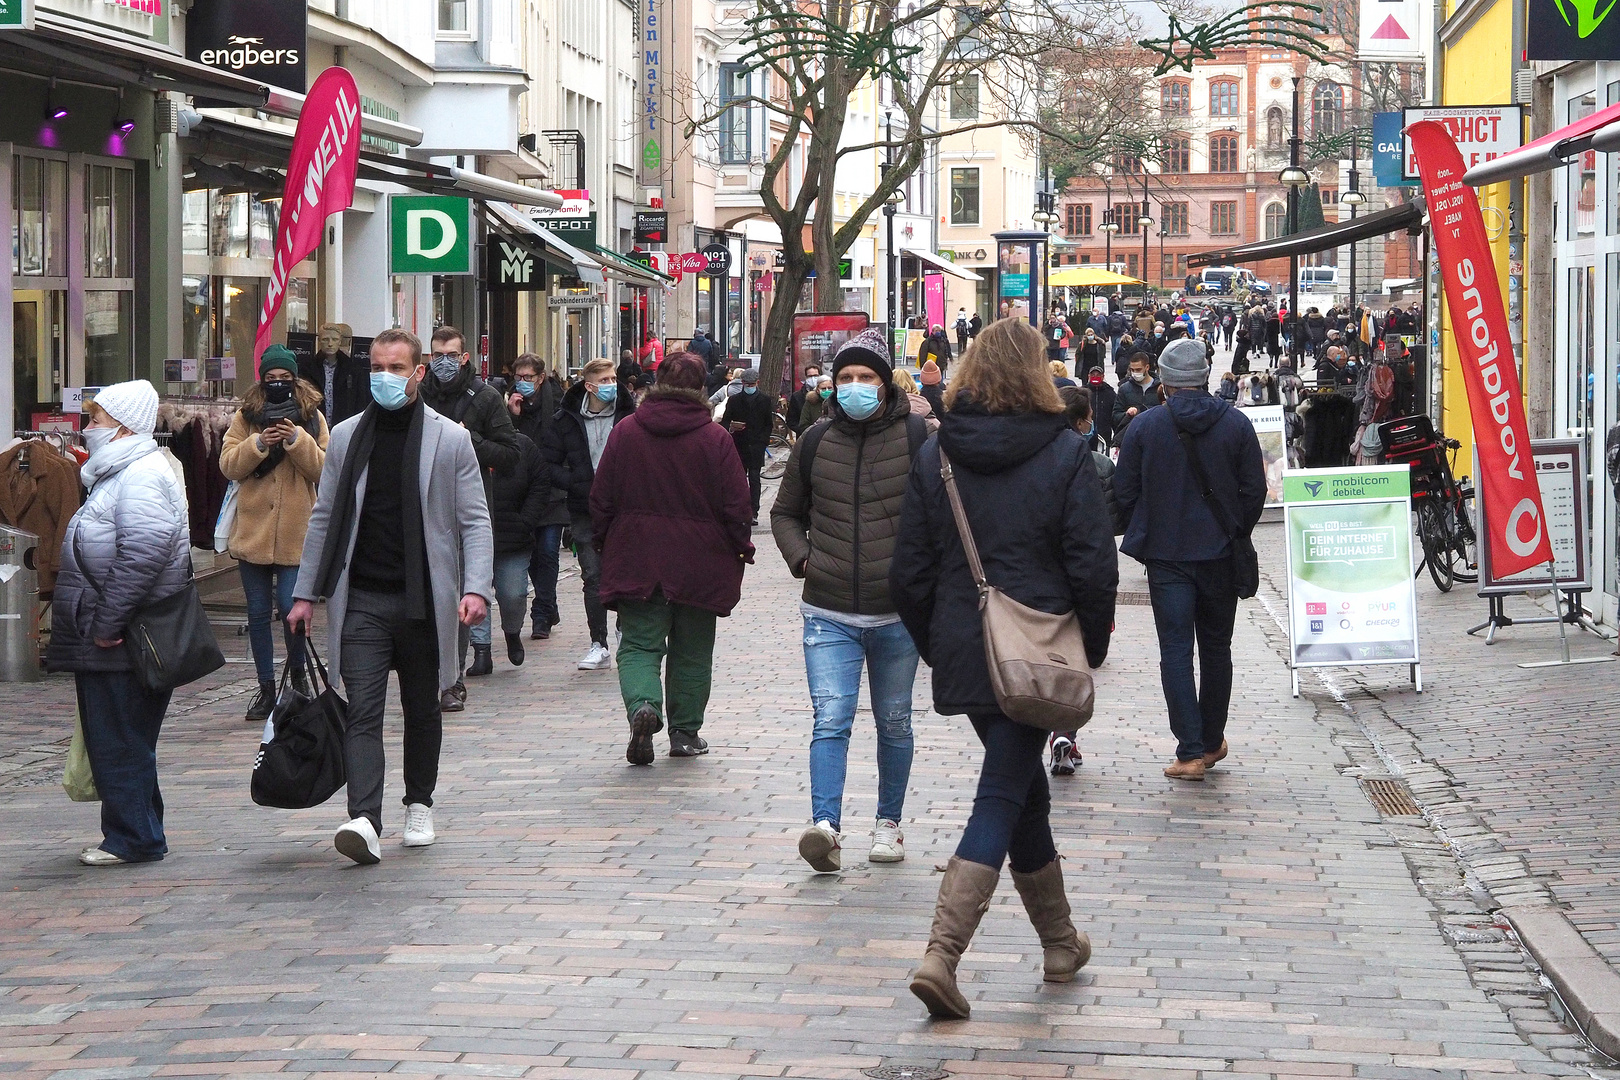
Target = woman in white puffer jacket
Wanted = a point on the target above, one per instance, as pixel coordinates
(127, 547)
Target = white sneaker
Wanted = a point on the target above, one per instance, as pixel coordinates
(358, 840)
(887, 843)
(819, 846)
(597, 658)
(418, 826)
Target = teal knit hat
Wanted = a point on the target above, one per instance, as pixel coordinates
(278, 356)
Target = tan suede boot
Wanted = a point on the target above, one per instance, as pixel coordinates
(1066, 949)
(964, 897)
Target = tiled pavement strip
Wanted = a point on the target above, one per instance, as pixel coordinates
(580, 918)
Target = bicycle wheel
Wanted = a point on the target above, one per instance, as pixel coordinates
(776, 458)
(1465, 540)
(1435, 538)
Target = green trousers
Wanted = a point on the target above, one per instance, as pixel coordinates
(654, 629)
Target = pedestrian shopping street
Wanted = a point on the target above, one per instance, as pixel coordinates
(582, 918)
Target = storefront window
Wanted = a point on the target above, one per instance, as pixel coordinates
(39, 330)
(1605, 543)
(1612, 176)
(239, 317)
(197, 316)
(194, 224)
(296, 305)
(110, 222)
(262, 238)
(1583, 179)
(109, 336)
(39, 217)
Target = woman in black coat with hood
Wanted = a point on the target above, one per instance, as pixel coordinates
(1037, 513)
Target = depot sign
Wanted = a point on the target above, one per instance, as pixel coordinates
(1482, 132)
(264, 40)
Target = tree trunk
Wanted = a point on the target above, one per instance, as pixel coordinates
(774, 361)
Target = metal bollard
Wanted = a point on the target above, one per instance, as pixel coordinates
(19, 607)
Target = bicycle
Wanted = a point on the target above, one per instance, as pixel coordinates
(1443, 504)
(777, 449)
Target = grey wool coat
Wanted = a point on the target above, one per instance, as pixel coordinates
(455, 525)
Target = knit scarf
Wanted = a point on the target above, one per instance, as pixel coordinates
(344, 517)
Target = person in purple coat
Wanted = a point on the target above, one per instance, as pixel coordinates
(671, 513)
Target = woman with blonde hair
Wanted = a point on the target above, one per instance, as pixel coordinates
(905, 384)
(1036, 511)
(274, 450)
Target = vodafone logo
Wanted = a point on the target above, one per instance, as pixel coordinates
(1523, 548)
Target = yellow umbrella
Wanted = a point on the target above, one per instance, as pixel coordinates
(1088, 277)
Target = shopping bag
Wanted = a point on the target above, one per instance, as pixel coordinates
(227, 519)
(77, 781)
(300, 762)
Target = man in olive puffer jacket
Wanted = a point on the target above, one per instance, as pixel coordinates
(836, 519)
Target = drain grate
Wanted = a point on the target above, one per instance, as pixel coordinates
(905, 1072)
(1132, 599)
(1392, 798)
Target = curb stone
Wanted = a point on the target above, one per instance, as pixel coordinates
(1588, 985)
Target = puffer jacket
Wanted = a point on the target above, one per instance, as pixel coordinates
(521, 498)
(272, 510)
(133, 537)
(839, 536)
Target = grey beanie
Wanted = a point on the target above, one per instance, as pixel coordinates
(1182, 364)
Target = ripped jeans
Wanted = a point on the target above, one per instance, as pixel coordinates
(833, 657)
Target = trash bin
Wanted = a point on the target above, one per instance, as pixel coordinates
(19, 606)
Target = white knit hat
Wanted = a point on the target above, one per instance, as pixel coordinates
(132, 404)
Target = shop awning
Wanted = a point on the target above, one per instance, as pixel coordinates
(1088, 277)
(615, 265)
(66, 48)
(1322, 238)
(1600, 131)
(939, 262)
(586, 268)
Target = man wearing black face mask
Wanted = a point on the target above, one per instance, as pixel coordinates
(452, 390)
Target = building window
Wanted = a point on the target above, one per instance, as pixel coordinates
(1330, 197)
(965, 98)
(1133, 266)
(964, 196)
(1177, 154)
(1127, 163)
(1327, 109)
(734, 121)
(1223, 97)
(1276, 128)
(110, 205)
(1077, 219)
(968, 41)
(1223, 218)
(1172, 268)
(1276, 220)
(1174, 217)
(1126, 214)
(1223, 153)
(1175, 97)
(454, 17)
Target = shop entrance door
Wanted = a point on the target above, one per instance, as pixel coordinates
(37, 336)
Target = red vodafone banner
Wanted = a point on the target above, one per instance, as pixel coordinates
(320, 182)
(1513, 513)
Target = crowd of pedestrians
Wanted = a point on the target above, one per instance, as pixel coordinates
(441, 498)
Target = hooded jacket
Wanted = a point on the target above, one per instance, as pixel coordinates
(568, 447)
(132, 537)
(1038, 516)
(670, 507)
(1168, 517)
(839, 535)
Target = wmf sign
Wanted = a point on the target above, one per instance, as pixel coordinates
(511, 267)
(429, 234)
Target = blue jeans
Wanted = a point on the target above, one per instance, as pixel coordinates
(121, 723)
(1195, 601)
(1012, 810)
(543, 568)
(833, 654)
(511, 589)
(260, 584)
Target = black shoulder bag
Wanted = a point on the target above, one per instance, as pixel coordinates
(1245, 560)
(300, 762)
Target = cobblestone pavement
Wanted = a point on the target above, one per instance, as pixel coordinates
(580, 918)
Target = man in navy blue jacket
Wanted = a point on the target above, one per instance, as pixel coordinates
(1187, 545)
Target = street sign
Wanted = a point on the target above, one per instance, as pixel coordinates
(1351, 601)
(1482, 132)
(16, 14)
(719, 256)
(429, 234)
(511, 267)
(652, 226)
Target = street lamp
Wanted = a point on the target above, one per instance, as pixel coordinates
(1295, 179)
(1109, 227)
(890, 205)
(1144, 221)
(1045, 218)
(1354, 199)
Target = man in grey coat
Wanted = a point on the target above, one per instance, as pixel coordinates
(399, 544)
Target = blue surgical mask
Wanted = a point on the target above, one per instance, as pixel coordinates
(445, 367)
(388, 390)
(750, 389)
(607, 391)
(858, 400)
(525, 388)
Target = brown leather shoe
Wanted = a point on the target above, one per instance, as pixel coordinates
(1210, 760)
(1185, 770)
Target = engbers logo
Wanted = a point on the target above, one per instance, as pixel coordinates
(242, 53)
(1587, 17)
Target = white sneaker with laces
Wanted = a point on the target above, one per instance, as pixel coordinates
(888, 845)
(596, 658)
(819, 846)
(358, 840)
(418, 826)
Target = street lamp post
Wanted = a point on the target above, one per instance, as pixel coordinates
(1353, 198)
(1145, 222)
(1108, 227)
(1296, 179)
(891, 264)
(1045, 217)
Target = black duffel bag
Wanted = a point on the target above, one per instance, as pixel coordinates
(300, 762)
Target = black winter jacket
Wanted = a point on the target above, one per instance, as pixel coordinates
(753, 410)
(1132, 395)
(538, 415)
(520, 500)
(351, 385)
(481, 409)
(568, 448)
(1037, 513)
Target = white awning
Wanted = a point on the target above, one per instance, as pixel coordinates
(587, 268)
(939, 262)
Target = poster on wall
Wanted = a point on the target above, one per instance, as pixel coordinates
(816, 337)
(1268, 429)
(1561, 471)
(1351, 598)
